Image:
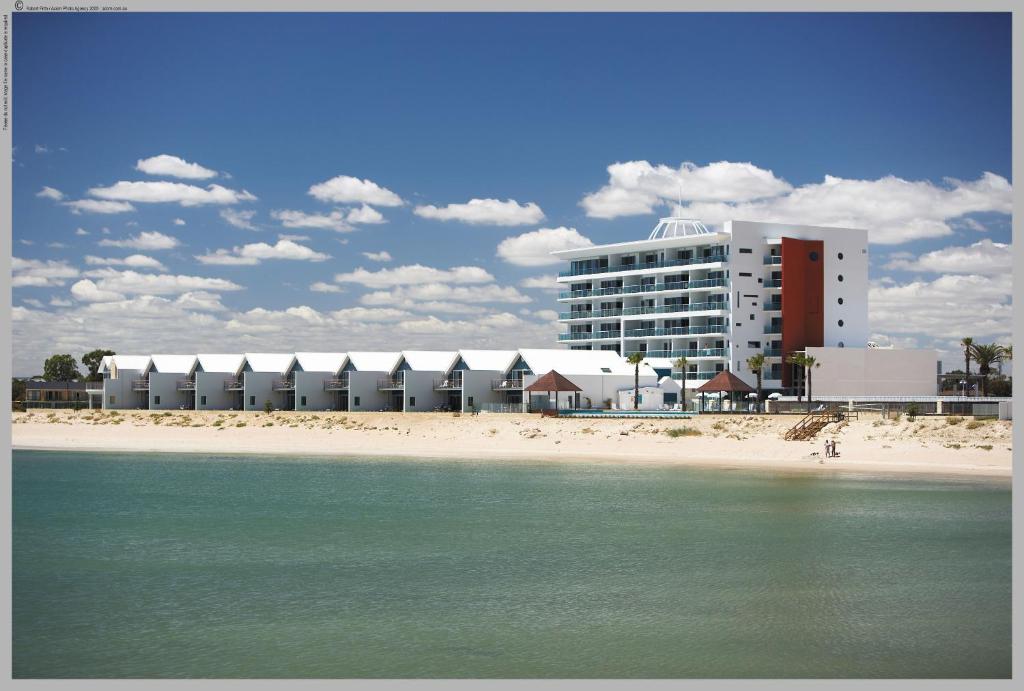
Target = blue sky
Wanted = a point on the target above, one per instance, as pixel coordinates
(907, 115)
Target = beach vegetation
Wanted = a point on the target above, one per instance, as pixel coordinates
(952, 446)
(983, 447)
(974, 424)
(635, 359)
(240, 424)
(808, 364)
(987, 355)
(268, 407)
(676, 432)
(756, 365)
(954, 420)
(680, 364)
(913, 410)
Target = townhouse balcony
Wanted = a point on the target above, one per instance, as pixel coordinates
(94, 387)
(585, 271)
(391, 384)
(283, 385)
(140, 384)
(186, 385)
(676, 331)
(664, 309)
(234, 384)
(694, 376)
(593, 314)
(339, 384)
(688, 354)
(453, 383)
(648, 288)
(772, 259)
(507, 384)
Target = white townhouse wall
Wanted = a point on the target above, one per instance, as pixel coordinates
(874, 372)
(263, 376)
(310, 372)
(210, 375)
(166, 375)
(470, 379)
(361, 374)
(121, 378)
(600, 374)
(719, 297)
(417, 371)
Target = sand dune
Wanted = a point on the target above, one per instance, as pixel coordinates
(870, 444)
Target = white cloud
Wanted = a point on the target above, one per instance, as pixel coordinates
(81, 231)
(442, 292)
(291, 218)
(637, 187)
(135, 261)
(546, 315)
(365, 214)
(172, 166)
(42, 149)
(96, 206)
(168, 192)
(50, 193)
(535, 248)
(239, 219)
(179, 221)
(414, 274)
(381, 256)
(87, 291)
(345, 189)
(146, 240)
(295, 238)
(60, 302)
(134, 283)
(485, 212)
(546, 283)
(56, 245)
(201, 301)
(40, 274)
(982, 257)
(27, 243)
(258, 251)
(32, 302)
(321, 287)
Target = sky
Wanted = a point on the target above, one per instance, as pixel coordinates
(255, 182)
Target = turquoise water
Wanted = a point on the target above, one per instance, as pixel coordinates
(207, 566)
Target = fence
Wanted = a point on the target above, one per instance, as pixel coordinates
(500, 407)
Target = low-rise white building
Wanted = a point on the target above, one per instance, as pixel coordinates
(123, 383)
(357, 384)
(310, 374)
(469, 381)
(410, 384)
(167, 377)
(263, 380)
(217, 380)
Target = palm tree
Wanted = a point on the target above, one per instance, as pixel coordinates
(635, 359)
(756, 365)
(680, 364)
(808, 363)
(986, 356)
(967, 342)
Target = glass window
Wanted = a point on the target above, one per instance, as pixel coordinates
(302, 400)
(156, 400)
(202, 400)
(356, 401)
(412, 401)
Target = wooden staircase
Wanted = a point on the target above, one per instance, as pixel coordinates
(812, 423)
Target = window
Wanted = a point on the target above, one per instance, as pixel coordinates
(302, 401)
(355, 402)
(252, 400)
(412, 401)
(745, 250)
(760, 280)
(751, 317)
(840, 278)
(202, 400)
(840, 301)
(606, 370)
(156, 400)
(840, 322)
(747, 274)
(469, 401)
(113, 399)
(813, 256)
(753, 344)
(840, 255)
(841, 344)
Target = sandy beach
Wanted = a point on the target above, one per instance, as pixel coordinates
(938, 445)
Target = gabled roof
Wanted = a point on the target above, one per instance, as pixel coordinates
(725, 381)
(320, 362)
(553, 381)
(139, 362)
(172, 364)
(577, 362)
(670, 384)
(499, 360)
(105, 363)
(221, 362)
(368, 361)
(269, 362)
(428, 360)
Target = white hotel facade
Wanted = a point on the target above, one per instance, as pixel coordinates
(718, 297)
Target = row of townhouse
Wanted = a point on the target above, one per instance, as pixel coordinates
(408, 381)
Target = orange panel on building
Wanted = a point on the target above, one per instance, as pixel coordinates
(803, 298)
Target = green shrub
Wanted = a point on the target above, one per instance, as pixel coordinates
(974, 424)
(683, 432)
(954, 420)
(912, 410)
(268, 407)
(986, 447)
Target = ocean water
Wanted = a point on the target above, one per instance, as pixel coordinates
(214, 566)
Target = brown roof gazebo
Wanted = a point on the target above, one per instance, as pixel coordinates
(723, 382)
(552, 381)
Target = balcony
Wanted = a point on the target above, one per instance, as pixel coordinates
(186, 385)
(648, 288)
(663, 309)
(140, 384)
(694, 376)
(773, 329)
(773, 259)
(507, 384)
(698, 353)
(391, 384)
(773, 283)
(449, 383)
(339, 384)
(676, 331)
(234, 384)
(283, 385)
(711, 259)
(593, 314)
(773, 306)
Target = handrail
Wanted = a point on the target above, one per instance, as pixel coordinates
(676, 331)
(390, 383)
(140, 384)
(711, 259)
(234, 384)
(506, 384)
(590, 335)
(648, 288)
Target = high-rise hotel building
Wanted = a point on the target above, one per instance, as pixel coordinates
(718, 297)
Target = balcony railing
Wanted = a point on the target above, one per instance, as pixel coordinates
(581, 271)
(694, 376)
(663, 309)
(506, 384)
(773, 306)
(676, 331)
(773, 329)
(283, 385)
(773, 259)
(773, 283)
(339, 384)
(773, 352)
(186, 385)
(699, 352)
(593, 314)
(448, 383)
(235, 384)
(140, 384)
(390, 383)
(648, 288)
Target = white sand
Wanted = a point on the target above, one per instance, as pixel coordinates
(871, 445)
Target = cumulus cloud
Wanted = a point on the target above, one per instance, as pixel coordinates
(321, 287)
(982, 257)
(239, 219)
(381, 256)
(81, 231)
(50, 193)
(40, 274)
(405, 296)
(345, 189)
(535, 248)
(96, 206)
(485, 212)
(135, 261)
(170, 192)
(56, 245)
(291, 218)
(173, 166)
(146, 240)
(42, 149)
(365, 215)
(546, 283)
(130, 282)
(87, 291)
(179, 221)
(258, 251)
(414, 274)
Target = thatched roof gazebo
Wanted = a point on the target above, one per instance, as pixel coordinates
(724, 382)
(552, 381)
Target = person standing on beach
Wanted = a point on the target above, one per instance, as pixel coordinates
(828, 448)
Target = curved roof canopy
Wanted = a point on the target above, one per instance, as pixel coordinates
(676, 227)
